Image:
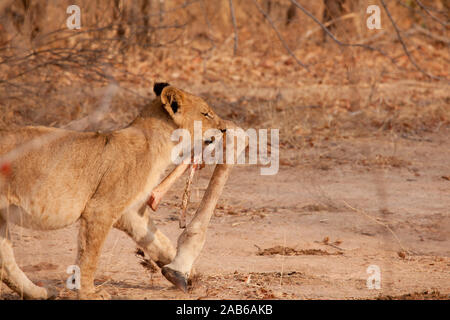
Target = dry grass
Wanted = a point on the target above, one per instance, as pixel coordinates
(286, 251)
(348, 93)
(424, 295)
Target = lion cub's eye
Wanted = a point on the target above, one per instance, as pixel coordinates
(207, 115)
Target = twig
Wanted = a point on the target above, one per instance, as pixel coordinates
(411, 8)
(377, 222)
(280, 37)
(208, 23)
(329, 23)
(445, 24)
(334, 246)
(361, 45)
(432, 35)
(374, 37)
(405, 48)
(282, 260)
(233, 19)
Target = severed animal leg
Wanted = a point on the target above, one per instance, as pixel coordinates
(191, 241)
(160, 190)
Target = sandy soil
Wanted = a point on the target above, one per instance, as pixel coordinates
(309, 232)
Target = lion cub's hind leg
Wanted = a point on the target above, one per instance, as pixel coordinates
(11, 274)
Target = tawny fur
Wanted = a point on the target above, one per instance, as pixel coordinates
(101, 180)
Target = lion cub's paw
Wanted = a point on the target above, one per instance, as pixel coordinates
(52, 293)
(97, 295)
(41, 292)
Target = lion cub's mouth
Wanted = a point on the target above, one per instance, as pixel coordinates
(210, 140)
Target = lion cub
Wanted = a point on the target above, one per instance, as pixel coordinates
(53, 178)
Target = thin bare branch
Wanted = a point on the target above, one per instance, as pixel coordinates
(405, 48)
(280, 37)
(208, 23)
(432, 16)
(233, 19)
(361, 45)
(351, 15)
(433, 36)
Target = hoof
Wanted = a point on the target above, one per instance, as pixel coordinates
(175, 277)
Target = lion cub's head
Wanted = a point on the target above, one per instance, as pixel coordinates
(188, 111)
(185, 108)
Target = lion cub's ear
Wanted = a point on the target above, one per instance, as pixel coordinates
(158, 87)
(172, 99)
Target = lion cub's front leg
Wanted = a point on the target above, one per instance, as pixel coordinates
(94, 229)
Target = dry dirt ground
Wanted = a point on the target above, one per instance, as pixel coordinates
(309, 232)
